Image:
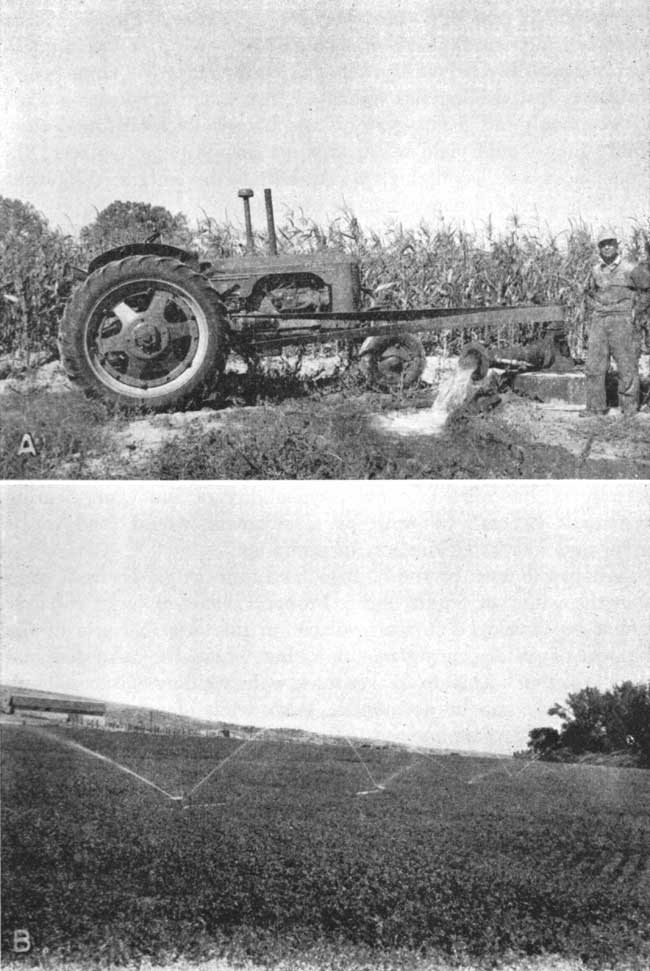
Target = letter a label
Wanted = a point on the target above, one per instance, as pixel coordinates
(22, 942)
(27, 446)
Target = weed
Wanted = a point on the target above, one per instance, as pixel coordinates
(69, 434)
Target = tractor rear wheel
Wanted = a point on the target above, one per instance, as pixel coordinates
(144, 331)
(393, 362)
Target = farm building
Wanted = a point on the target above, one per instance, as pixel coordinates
(45, 708)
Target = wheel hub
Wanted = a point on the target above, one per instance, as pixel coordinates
(147, 340)
(147, 337)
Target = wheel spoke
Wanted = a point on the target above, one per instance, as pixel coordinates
(158, 305)
(125, 314)
(163, 367)
(134, 369)
(179, 329)
(145, 330)
(114, 342)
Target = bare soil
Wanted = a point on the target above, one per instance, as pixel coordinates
(515, 437)
(610, 438)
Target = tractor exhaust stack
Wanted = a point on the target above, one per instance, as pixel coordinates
(246, 195)
(270, 223)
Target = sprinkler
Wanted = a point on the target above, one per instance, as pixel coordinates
(370, 792)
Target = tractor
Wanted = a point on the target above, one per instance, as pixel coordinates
(152, 324)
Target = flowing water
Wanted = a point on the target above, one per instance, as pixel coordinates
(105, 758)
(455, 390)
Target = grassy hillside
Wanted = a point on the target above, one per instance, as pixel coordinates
(270, 851)
(133, 716)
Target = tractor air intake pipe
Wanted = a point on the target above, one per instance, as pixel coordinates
(247, 194)
(270, 222)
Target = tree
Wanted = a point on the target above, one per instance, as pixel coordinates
(584, 718)
(606, 721)
(19, 218)
(631, 708)
(542, 741)
(133, 222)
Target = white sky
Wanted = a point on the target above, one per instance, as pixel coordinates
(399, 108)
(449, 615)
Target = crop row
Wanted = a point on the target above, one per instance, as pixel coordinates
(439, 265)
(455, 856)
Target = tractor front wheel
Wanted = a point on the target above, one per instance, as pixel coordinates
(144, 331)
(392, 362)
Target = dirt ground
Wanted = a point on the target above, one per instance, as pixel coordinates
(516, 437)
(610, 439)
(610, 446)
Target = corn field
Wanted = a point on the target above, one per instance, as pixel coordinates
(401, 268)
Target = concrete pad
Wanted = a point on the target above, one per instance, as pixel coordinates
(550, 387)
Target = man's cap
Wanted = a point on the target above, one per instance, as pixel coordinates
(604, 233)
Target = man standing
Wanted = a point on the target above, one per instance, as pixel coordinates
(611, 293)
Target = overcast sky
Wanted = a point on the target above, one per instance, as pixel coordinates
(400, 108)
(449, 615)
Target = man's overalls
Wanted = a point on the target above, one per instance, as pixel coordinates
(610, 290)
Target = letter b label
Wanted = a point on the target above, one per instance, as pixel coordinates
(22, 942)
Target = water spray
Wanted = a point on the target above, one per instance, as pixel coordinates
(68, 743)
(368, 772)
(184, 800)
(219, 765)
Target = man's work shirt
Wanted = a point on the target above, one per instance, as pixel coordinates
(611, 287)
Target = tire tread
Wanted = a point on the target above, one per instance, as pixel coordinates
(72, 328)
